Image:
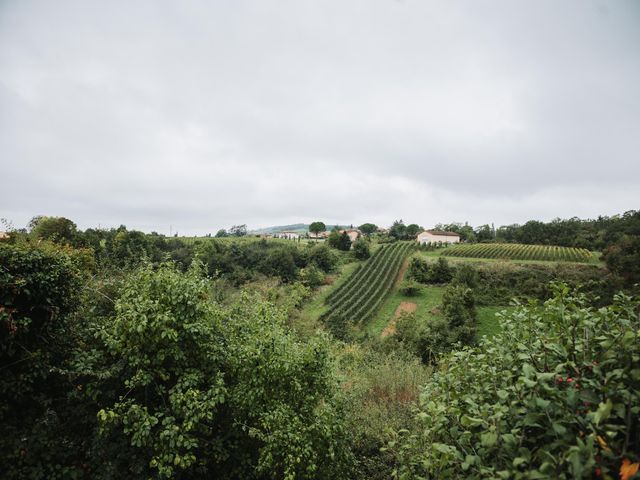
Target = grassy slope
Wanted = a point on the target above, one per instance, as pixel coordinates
(488, 322)
(429, 298)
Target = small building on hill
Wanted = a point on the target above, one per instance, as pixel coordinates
(353, 233)
(319, 236)
(288, 235)
(436, 236)
(4, 235)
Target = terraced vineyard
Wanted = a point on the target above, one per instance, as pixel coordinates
(516, 251)
(362, 294)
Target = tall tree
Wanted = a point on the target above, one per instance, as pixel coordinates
(368, 228)
(238, 230)
(317, 227)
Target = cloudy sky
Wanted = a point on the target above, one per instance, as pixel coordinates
(203, 114)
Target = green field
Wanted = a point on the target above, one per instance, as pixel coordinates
(361, 295)
(516, 251)
(427, 302)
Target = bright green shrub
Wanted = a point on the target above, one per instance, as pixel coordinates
(556, 394)
(190, 389)
(410, 288)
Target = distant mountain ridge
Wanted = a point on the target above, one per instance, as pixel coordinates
(296, 227)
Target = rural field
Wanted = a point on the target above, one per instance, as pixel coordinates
(549, 253)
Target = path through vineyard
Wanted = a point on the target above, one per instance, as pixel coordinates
(408, 307)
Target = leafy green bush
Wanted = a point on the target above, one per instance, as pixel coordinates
(361, 249)
(623, 258)
(418, 270)
(189, 388)
(311, 276)
(556, 394)
(440, 272)
(459, 308)
(323, 257)
(456, 324)
(423, 272)
(39, 290)
(410, 288)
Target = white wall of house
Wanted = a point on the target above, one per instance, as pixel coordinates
(428, 237)
(288, 235)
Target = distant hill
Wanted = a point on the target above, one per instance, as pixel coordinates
(296, 227)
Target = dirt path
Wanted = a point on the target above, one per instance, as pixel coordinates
(403, 270)
(408, 307)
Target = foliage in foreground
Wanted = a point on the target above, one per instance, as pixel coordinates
(555, 395)
(166, 383)
(206, 390)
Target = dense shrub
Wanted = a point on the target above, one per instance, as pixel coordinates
(422, 271)
(361, 249)
(466, 275)
(323, 257)
(456, 324)
(311, 276)
(418, 270)
(410, 288)
(39, 292)
(498, 283)
(623, 258)
(556, 394)
(191, 389)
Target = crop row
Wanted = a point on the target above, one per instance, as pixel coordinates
(371, 267)
(358, 298)
(516, 251)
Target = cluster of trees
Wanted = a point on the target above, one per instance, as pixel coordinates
(133, 369)
(153, 379)
(234, 231)
(238, 262)
(498, 283)
(400, 231)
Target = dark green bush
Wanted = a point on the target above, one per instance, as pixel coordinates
(556, 394)
(361, 249)
(190, 389)
(39, 292)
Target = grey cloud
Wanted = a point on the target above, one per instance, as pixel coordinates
(203, 114)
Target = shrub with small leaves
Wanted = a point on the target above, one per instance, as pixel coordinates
(556, 394)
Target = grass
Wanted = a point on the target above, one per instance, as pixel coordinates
(429, 298)
(488, 323)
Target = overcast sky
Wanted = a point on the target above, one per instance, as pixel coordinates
(204, 114)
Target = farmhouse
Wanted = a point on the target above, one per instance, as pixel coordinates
(319, 236)
(4, 235)
(353, 233)
(435, 236)
(288, 235)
